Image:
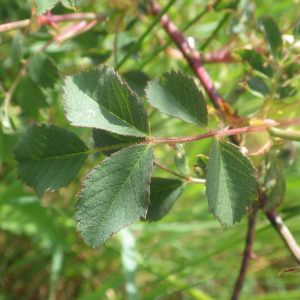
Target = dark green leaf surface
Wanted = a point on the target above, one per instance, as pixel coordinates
(273, 36)
(137, 81)
(163, 194)
(105, 138)
(258, 86)
(116, 194)
(231, 183)
(30, 97)
(99, 99)
(256, 60)
(44, 5)
(43, 71)
(49, 157)
(177, 95)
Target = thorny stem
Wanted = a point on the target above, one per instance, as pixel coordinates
(188, 179)
(248, 254)
(285, 234)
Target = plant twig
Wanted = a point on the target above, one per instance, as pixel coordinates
(248, 254)
(49, 18)
(188, 179)
(285, 234)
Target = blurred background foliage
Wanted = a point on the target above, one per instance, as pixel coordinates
(187, 255)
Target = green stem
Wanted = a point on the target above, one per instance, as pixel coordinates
(285, 134)
(136, 45)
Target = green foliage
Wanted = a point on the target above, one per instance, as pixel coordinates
(49, 157)
(177, 95)
(99, 99)
(231, 183)
(41, 255)
(164, 193)
(116, 194)
(273, 36)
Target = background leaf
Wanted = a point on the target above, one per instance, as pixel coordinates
(99, 99)
(163, 194)
(137, 81)
(49, 157)
(231, 183)
(273, 36)
(116, 194)
(177, 95)
(30, 97)
(105, 138)
(258, 86)
(256, 60)
(201, 166)
(43, 5)
(297, 31)
(43, 71)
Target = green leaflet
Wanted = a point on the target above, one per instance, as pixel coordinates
(256, 60)
(231, 183)
(273, 36)
(163, 194)
(99, 99)
(116, 194)
(49, 157)
(177, 95)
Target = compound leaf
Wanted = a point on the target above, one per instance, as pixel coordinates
(116, 194)
(231, 183)
(99, 99)
(163, 194)
(177, 95)
(49, 157)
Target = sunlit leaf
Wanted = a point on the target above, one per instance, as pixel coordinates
(115, 194)
(44, 5)
(231, 183)
(49, 157)
(177, 95)
(99, 99)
